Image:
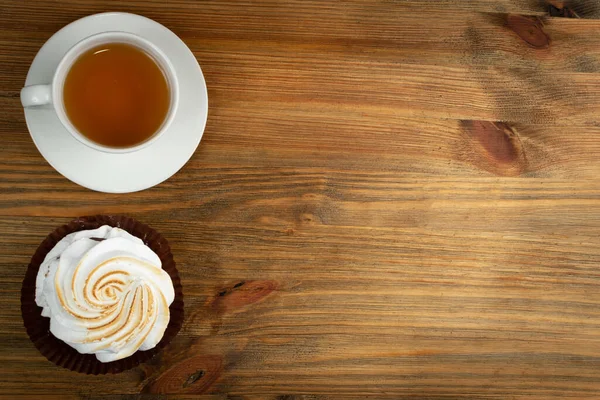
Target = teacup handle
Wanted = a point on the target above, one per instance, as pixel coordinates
(36, 95)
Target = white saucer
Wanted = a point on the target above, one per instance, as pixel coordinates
(130, 172)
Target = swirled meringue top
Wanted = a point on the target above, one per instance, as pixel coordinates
(105, 293)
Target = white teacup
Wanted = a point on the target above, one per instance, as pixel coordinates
(52, 94)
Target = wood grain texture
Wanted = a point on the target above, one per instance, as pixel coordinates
(392, 198)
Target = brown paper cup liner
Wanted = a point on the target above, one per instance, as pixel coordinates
(38, 327)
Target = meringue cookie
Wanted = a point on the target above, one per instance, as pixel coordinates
(105, 293)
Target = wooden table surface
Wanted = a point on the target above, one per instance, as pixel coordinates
(395, 198)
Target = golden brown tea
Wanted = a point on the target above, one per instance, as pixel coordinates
(116, 95)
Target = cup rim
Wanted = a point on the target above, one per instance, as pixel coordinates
(72, 55)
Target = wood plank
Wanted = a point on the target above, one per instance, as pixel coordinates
(337, 198)
(181, 9)
(470, 67)
(393, 303)
(345, 160)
